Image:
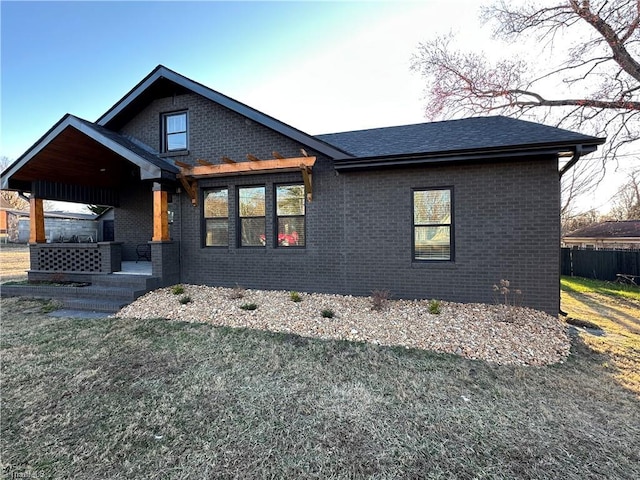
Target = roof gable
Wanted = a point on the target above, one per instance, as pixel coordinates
(151, 166)
(162, 80)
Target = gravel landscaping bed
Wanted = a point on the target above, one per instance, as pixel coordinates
(494, 333)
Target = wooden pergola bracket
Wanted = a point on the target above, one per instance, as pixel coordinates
(308, 184)
(190, 186)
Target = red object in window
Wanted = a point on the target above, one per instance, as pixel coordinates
(286, 240)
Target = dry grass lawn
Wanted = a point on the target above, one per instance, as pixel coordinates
(616, 310)
(14, 262)
(151, 399)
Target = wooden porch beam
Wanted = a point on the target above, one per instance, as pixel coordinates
(243, 168)
(36, 221)
(160, 216)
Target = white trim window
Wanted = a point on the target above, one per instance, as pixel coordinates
(174, 132)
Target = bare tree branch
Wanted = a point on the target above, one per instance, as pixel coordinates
(587, 76)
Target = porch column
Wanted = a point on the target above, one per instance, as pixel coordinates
(160, 214)
(36, 221)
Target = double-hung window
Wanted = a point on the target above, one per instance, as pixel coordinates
(174, 131)
(216, 217)
(290, 204)
(432, 224)
(251, 215)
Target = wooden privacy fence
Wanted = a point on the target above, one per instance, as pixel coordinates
(599, 264)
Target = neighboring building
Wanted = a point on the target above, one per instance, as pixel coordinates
(60, 226)
(63, 227)
(9, 220)
(226, 195)
(623, 235)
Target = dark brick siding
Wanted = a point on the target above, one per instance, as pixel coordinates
(133, 221)
(214, 131)
(359, 224)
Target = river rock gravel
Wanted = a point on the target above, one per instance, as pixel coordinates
(494, 333)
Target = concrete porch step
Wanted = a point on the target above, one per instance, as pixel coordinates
(138, 282)
(94, 305)
(103, 295)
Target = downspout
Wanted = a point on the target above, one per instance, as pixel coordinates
(567, 166)
(576, 156)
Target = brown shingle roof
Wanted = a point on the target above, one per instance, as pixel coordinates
(627, 228)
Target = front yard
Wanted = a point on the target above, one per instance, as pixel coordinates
(122, 398)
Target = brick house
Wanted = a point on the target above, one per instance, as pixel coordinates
(225, 195)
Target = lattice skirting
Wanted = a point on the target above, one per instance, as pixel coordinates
(70, 260)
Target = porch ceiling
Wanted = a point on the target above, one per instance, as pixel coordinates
(80, 153)
(76, 159)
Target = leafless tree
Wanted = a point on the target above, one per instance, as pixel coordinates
(626, 202)
(572, 222)
(587, 53)
(11, 198)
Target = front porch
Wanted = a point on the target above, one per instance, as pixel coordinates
(80, 162)
(98, 292)
(51, 261)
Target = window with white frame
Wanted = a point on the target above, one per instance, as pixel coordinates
(174, 131)
(290, 215)
(251, 217)
(432, 224)
(216, 217)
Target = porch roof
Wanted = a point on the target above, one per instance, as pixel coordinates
(77, 152)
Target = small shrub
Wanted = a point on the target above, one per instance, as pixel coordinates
(379, 299)
(248, 306)
(434, 307)
(185, 299)
(507, 295)
(177, 289)
(295, 297)
(327, 313)
(237, 292)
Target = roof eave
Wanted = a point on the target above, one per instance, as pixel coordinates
(444, 157)
(602, 239)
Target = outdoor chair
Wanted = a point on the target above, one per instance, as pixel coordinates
(143, 251)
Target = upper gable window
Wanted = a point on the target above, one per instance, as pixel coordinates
(174, 131)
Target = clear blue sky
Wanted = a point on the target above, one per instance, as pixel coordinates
(81, 57)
